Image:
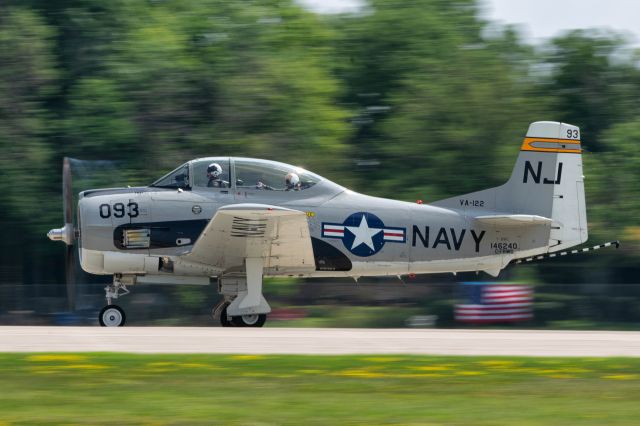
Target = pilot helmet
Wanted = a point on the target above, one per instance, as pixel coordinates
(214, 170)
(291, 180)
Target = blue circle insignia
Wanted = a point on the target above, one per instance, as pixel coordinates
(363, 234)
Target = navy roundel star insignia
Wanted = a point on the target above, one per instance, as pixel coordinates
(363, 234)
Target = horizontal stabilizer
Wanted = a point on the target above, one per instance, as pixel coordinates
(513, 220)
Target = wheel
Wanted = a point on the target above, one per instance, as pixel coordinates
(224, 319)
(254, 320)
(112, 316)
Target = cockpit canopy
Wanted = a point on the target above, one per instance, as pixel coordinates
(238, 173)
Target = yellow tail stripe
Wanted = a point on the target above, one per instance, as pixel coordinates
(571, 146)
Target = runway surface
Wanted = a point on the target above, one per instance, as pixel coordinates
(319, 341)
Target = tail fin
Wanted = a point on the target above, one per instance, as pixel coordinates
(546, 181)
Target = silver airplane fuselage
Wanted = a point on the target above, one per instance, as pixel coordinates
(238, 219)
(352, 234)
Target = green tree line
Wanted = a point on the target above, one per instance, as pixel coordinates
(419, 99)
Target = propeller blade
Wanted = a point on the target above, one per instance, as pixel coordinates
(67, 191)
(70, 254)
(70, 275)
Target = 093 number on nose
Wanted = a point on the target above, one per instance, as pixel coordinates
(119, 210)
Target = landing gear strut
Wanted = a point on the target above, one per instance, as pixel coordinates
(243, 304)
(113, 315)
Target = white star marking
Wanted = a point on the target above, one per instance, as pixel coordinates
(363, 234)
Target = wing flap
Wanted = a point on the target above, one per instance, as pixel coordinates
(278, 235)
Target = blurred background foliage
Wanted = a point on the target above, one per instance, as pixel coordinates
(418, 99)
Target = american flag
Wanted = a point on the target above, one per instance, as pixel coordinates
(492, 303)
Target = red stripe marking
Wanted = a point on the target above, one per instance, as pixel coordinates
(506, 299)
(503, 298)
(492, 314)
(507, 288)
(494, 308)
(477, 320)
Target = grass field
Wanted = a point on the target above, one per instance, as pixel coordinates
(316, 390)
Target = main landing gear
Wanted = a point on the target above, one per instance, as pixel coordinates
(249, 320)
(243, 304)
(113, 315)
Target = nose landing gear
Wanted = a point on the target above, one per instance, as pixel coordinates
(113, 315)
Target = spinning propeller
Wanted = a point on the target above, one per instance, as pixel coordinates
(67, 233)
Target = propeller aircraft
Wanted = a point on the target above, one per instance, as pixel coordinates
(233, 221)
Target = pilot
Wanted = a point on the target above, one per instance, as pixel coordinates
(214, 171)
(292, 182)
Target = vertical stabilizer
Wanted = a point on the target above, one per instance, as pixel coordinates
(548, 181)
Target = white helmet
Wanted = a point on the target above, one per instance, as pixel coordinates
(291, 180)
(214, 170)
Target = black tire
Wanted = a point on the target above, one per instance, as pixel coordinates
(112, 316)
(256, 320)
(224, 320)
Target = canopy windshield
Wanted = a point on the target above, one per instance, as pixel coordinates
(179, 178)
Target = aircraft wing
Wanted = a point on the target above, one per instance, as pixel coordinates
(238, 231)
